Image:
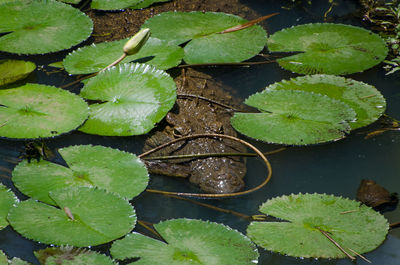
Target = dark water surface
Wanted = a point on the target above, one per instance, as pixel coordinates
(334, 168)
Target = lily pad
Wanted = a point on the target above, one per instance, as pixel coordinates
(328, 48)
(364, 99)
(14, 70)
(188, 242)
(14, 261)
(201, 31)
(352, 225)
(113, 4)
(71, 256)
(70, 1)
(134, 97)
(294, 118)
(41, 26)
(146, 3)
(7, 200)
(94, 58)
(87, 217)
(110, 169)
(38, 111)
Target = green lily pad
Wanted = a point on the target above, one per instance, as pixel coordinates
(110, 169)
(98, 217)
(94, 58)
(134, 97)
(364, 99)
(38, 111)
(14, 70)
(201, 31)
(354, 226)
(14, 261)
(71, 256)
(7, 200)
(294, 117)
(328, 48)
(113, 4)
(146, 3)
(188, 242)
(41, 26)
(70, 1)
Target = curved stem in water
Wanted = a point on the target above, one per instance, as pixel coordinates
(208, 195)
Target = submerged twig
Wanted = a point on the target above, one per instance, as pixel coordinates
(208, 195)
(211, 155)
(207, 99)
(241, 215)
(394, 225)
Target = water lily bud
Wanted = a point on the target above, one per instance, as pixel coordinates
(135, 43)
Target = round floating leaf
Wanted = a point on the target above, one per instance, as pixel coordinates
(202, 29)
(355, 227)
(15, 261)
(364, 99)
(134, 97)
(70, 1)
(7, 200)
(41, 26)
(94, 58)
(14, 70)
(110, 169)
(113, 4)
(294, 117)
(37, 111)
(328, 48)
(71, 256)
(146, 3)
(87, 216)
(188, 242)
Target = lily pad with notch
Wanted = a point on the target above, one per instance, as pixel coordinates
(7, 200)
(202, 32)
(14, 261)
(188, 241)
(355, 227)
(110, 169)
(294, 118)
(71, 256)
(364, 99)
(42, 26)
(95, 57)
(14, 70)
(39, 111)
(85, 217)
(129, 100)
(326, 48)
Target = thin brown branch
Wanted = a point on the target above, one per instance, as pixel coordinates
(394, 225)
(182, 95)
(361, 256)
(247, 24)
(336, 244)
(208, 195)
(211, 155)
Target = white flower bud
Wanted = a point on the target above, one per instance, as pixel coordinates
(135, 43)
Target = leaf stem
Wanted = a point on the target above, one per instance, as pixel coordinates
(211, 155)
(336, 244)
(394, 225)
(208, 195)
(123, 56)
(148, 226)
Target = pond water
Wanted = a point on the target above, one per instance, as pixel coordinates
(334, 168)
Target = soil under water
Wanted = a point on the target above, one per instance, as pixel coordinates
(333, 168)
